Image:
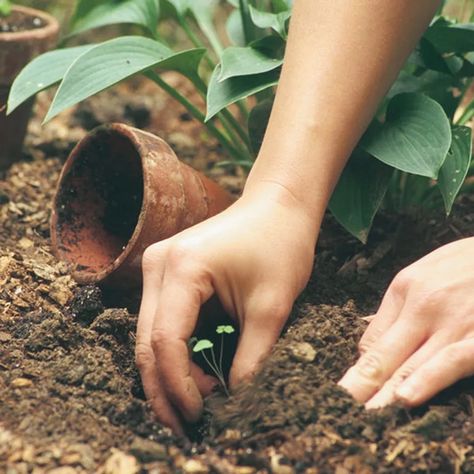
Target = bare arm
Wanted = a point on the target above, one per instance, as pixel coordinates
(342, 57)
(257, 255)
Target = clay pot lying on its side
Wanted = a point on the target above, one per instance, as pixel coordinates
(121, 190)
(17, 49)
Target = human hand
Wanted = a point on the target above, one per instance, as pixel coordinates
(421, 339)
(256, 256)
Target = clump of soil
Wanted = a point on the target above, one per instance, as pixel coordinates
(19, 21)
(72, 401)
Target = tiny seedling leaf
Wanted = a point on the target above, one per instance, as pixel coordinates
(5, 7)
(41, 73)
(225, 329)
(415, 137)
(456, 165)
(202, 345)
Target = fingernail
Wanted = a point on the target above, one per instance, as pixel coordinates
(406, 392)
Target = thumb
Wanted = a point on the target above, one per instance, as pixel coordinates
(258, 335)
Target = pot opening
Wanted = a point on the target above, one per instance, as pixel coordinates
(99, 201)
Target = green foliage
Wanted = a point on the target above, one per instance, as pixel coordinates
(5, 7)
(96, 13)
(417, 151)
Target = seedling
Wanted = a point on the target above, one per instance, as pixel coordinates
(215, 365)
(5, 7)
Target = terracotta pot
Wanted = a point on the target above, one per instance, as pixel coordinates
(120, 190)
(16, 50)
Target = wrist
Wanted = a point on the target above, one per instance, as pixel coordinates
(283, 195)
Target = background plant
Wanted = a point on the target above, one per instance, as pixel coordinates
(416, 152)
(5, 7)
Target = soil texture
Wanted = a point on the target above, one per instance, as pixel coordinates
(72, 401)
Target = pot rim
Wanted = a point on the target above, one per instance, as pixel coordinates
(84, 276)
(51, 27)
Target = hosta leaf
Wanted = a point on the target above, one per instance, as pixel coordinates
(245, 61)
(275, 21)
(220, 94)
(235, 29)
(95, 13)
(41, 73)
(415, 137)
(359, 193)
(456, 165)
(257, 123)
(203, 12)
(113, 61)
(451, 38)
(202, 345)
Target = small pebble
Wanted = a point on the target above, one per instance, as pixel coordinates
(195, 467)
(21, 382)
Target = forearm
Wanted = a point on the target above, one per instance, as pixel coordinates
(341, 58)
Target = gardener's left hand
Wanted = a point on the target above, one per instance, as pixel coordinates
(421, 339)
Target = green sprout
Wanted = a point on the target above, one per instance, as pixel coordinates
(216, 365)
(5, 7)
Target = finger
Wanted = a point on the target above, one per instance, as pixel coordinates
(449, 365)
(205, 383)
(153, 269)
(154, 392)
(175, 320)
(381, 360)
(261, 329)
(386, 395)
(387, 314)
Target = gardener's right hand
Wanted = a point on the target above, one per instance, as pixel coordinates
(256, 256)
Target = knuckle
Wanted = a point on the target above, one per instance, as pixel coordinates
(182, 259)
(159, 340)
(401, 375)
(367, 341)
(370, 366)
(277, 306)
(403, 281)
(143, 355)
(452, 355)
(152, 256)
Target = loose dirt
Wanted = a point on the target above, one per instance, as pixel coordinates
(71, 396)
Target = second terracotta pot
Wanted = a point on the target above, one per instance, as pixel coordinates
(16, 50)
(121, 190)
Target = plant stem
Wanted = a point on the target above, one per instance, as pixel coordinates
(225, 117)
(246, 20)
(196, 113)
(216, 372)
(195, 40)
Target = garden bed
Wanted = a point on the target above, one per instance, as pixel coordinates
(71, 396)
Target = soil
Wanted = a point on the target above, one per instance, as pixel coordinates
(18, 21)
(71, 396)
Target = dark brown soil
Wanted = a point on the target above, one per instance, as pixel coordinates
(71, 396)
(18, 21)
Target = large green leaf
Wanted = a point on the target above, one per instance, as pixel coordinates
(257, 58)
(235, 29)
(41, 73)
(451, 38)
(95, 13)
(415, 137)
(275, 21)
(455, 167)
(113, 61)
(359, 193)
(220, 94)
